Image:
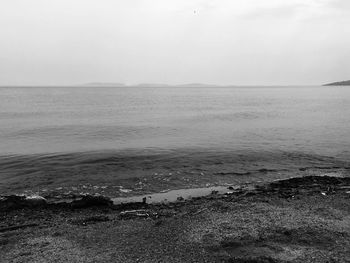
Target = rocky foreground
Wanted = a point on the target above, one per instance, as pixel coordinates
(296, 220)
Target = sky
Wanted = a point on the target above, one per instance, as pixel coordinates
(225, 42)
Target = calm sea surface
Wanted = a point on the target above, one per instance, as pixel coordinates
(118, 137)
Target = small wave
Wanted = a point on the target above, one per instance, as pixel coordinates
(154, 170)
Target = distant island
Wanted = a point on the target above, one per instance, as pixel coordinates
(197, 85)
(105, 84)
(340, 83)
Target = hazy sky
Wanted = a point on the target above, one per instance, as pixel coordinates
(174, 41)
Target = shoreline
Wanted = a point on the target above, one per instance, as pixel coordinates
(34, 201)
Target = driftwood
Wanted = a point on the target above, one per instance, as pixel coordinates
(199, 211)
(137, 213)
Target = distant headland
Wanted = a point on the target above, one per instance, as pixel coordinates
(340, 83)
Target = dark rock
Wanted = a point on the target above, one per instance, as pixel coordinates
(35, 201)
(309, 181)
(89, 201)
(307, 185)
(13, 202)
(180, 198)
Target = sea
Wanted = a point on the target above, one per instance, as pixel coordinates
(122, 141)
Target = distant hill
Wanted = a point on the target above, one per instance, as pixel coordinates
(190, 85)
(195, 85)
(340, 83)
(105, 84)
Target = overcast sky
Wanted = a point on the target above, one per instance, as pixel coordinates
(242, 42)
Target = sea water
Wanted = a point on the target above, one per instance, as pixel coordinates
(148, 139)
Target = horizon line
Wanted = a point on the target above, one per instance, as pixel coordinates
(146, 85)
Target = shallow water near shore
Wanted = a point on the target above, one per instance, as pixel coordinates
(127, 141)
(172, 196)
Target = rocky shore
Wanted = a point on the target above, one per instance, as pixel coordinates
(303, 219)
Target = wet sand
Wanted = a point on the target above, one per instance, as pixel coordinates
(295, 220)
